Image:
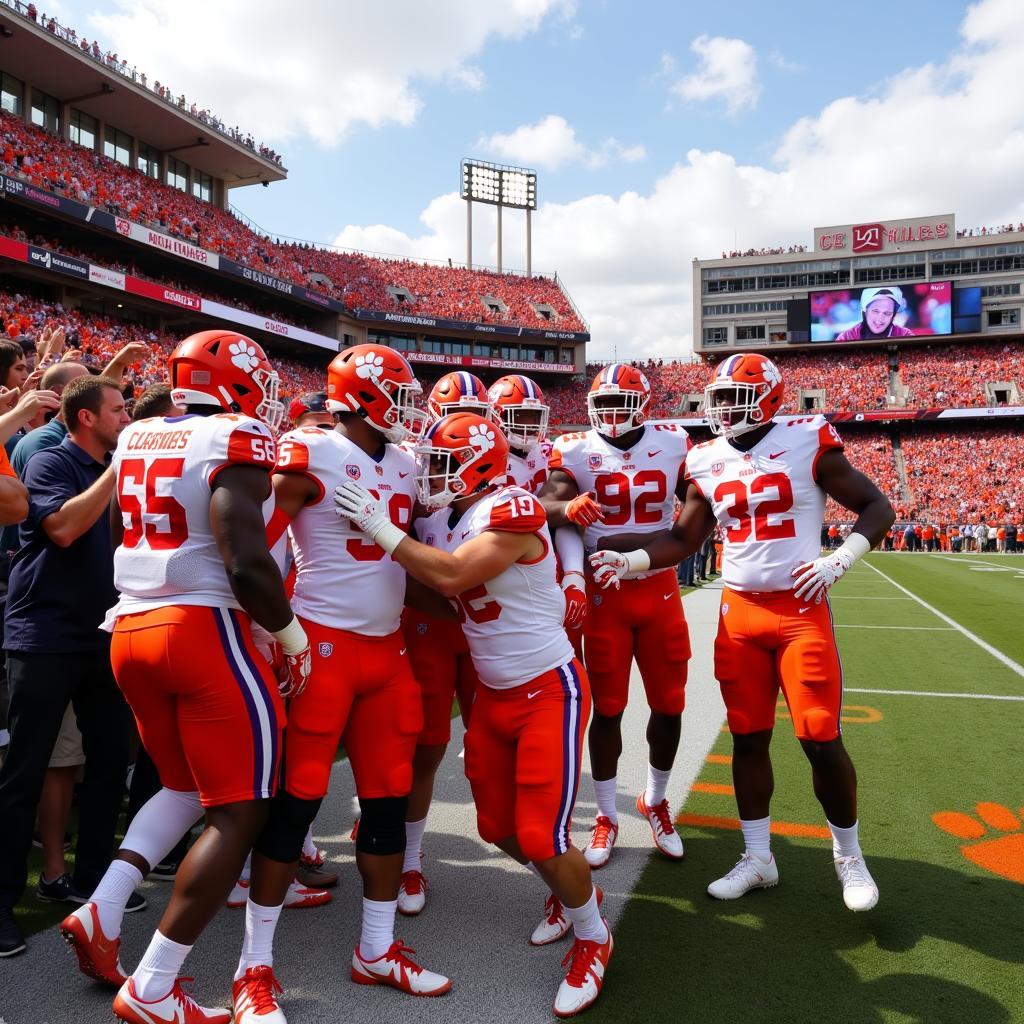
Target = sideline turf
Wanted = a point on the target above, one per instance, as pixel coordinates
(945, 943)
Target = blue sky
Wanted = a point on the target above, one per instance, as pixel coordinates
(825, 113)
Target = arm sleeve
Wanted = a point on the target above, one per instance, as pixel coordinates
(569, 546)
(828, 440)
(241, 443)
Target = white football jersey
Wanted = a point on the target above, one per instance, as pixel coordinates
(342, 579)
(767, 501)
(513, 623)
(529, 471)
(636, 488)
(165, 470)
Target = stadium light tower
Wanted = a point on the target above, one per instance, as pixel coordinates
(500, 186)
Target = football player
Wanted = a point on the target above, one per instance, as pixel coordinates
(765, 481)
(441, 664)
(349, 595)
(618, 482)
(489, 548)
(194, 569)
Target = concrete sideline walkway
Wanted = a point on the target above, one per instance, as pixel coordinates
(481, 907)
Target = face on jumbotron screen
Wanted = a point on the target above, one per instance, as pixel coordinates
(882, 311)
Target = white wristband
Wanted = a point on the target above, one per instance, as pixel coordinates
(856, 546)
(638, 561)
(389, 537)
(292, 638)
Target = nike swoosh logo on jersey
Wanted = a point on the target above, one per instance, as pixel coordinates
(466, 534)
(800, 611)
(402, 476)
(401, 652)
(530, 696)
(651, 455)
(666, 597)
(775, 455)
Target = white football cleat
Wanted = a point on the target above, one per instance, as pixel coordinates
(177, 1007)
(602, 841)
(412, 893)
(666, 838)
(239, 894)
(302, 896)
(394, 968)
(749, 873)
(555, 924)
(254, 997)
(587, 962)
(859, 889)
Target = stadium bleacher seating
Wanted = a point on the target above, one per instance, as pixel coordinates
(358, 280)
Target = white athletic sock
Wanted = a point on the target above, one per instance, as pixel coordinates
(845, 842)
(586, 920)
(657, 783)
(378, 928)
(246, 869)
(413, 844)
(162, 820)
(605, 790)
(114, 891)
(258, 944)
(159, 968)
(757, 836)
(309, 849)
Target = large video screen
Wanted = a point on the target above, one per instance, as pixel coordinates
(882, 311)
(966, 310)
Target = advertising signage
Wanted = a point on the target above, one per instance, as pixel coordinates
(884, 236)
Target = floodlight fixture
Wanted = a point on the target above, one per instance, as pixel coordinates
(501, 186)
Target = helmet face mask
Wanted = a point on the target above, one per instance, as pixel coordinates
(459, 391)
(618, 399)
(744, 394)
(271, 409)
(459, 455)
(520, 410)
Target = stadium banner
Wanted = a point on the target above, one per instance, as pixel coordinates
(14, 250)
(275, 284)
(890, 415)
(108, 278)
(161, 293)
(882, 312)
(166, 243)
(262, 323)
(494, 364)
(882, 236)
(58, 263)
(40, 197)
(411, 320)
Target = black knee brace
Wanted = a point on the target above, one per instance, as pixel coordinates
(382, 825)
(289, 820)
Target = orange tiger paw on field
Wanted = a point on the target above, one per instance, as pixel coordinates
(1000, 851)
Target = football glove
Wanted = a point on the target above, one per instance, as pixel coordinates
(574, 587)
(813, 579)
(583, 510)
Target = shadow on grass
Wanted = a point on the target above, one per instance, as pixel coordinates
(788, 954)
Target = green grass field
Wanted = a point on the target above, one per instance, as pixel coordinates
(945, 943)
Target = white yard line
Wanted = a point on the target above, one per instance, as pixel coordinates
(916, 629)
(973, 637)
(933, 693)
(855, 597)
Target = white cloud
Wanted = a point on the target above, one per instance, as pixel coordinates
(931, 139)
(320, 68)
(727, 71)
(552, 142)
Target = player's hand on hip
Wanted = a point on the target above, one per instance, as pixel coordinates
(583, 510)
(609, 568)
(574, 586)
(813, 579)
(354, 502)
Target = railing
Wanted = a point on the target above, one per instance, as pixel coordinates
(70, 37)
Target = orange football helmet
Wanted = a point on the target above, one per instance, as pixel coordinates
(618, 400)
(227, 370)
(520, 410)
(458, 392)
(460, 454)
(376, 383)
(754, 385)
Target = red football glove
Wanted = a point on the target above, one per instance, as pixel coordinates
(574, 587)
(296, 673)
(583, 510)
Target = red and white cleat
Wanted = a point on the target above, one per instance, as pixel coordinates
(395, 968)
(587, 962)
(175, 1008)
(300, 897)
(555, 924)
(314, 874)
(602, 841)
(98, 956)
(666, 838)
(412, 893)
(239, 894)
(254, 997)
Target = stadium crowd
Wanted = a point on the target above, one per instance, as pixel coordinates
(1002, 229)
(358, 280)
(777, 251)
(955, 375)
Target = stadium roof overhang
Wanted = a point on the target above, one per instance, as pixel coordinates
(34, 55)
